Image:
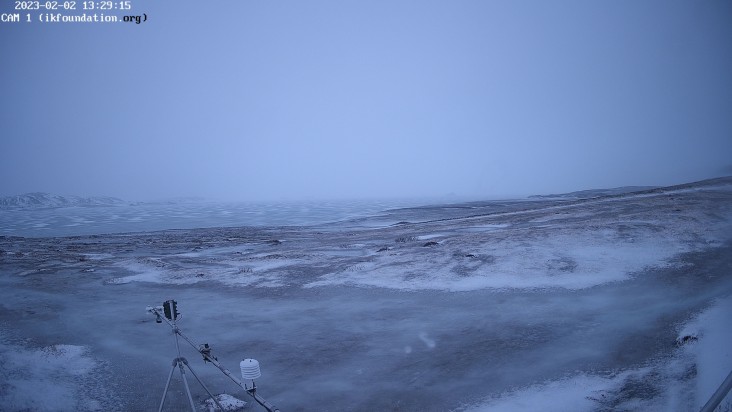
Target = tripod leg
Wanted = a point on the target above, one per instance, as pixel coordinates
(167, 384)
(216, 401)
(185, 383)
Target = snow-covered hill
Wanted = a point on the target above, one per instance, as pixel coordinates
(583, 194)
(638, 190)
(48, 200)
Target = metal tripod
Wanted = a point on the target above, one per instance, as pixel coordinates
(182, 363)
(169, 313)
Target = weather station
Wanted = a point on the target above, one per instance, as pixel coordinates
(250, 371)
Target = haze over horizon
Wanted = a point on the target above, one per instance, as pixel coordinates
(328, 100)
(446, 197)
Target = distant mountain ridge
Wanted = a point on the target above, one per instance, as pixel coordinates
(39, 200)
(638, 190)
(584, 194)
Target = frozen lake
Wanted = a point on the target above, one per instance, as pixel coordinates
(146, 217)
(578, 305)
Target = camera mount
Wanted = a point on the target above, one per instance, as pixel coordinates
(168, 312)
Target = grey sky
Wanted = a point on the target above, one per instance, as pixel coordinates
(326, 99)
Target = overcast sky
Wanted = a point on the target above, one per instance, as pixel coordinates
(263, 100)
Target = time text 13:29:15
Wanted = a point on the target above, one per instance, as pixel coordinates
(71, 5)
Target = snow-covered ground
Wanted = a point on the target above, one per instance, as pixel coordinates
(681, 381)
(608, 303)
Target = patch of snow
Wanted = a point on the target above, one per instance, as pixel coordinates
(484, 228)
(569, 260)
(228, 402)
(144, 272)
(568, 394)
(97, 256)
(262, 271)
(712, 350)
(430, 236)
(64, 374)
(681, 382)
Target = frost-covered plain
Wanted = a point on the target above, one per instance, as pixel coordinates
(619, 302)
